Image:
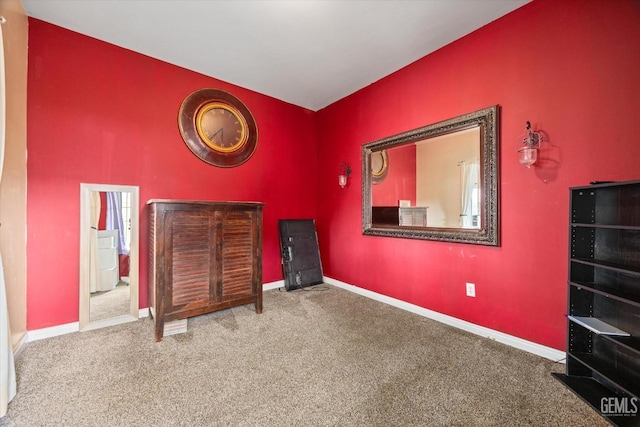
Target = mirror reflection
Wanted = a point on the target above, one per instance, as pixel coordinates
(439, 177)
(438, 182)
(110, 242)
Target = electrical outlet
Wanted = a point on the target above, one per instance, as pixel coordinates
(471, 289)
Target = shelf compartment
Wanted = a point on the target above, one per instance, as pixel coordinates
(627, 296)
(614, 311)
(607, 245)
(626, 383)
(607, 204)
(613, 361)
(632, 344)
(592, 392)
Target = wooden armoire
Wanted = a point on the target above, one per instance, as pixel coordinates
(203, 256)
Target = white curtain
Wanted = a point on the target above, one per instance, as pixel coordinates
(7, 366)
(94, 268)
(470, 176)
(115, 221)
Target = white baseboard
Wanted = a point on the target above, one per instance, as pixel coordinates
(519, 343)
(273, 285)
(53, 331)
(68, 328)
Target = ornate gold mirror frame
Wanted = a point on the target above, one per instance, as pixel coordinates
(485, 230)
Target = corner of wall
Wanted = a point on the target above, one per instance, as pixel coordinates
(13, 188)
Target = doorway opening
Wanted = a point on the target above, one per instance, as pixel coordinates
(97, 249)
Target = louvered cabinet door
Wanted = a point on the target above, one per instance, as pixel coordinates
(203, 257)
(189, 262)
(239, 238)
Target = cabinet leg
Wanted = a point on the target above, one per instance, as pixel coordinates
(259, 304)
(159, 326)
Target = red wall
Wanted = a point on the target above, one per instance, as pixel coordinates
(102, 220)
(571, 68)
(102, 114)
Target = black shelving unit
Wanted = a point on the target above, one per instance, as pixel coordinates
(603, 360)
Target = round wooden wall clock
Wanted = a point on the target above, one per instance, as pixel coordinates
(379, 166)
(217, 127)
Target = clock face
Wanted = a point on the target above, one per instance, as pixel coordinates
(217, 127)
(221, 127)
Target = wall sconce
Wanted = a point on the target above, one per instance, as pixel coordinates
(528, 145)
(344, 175)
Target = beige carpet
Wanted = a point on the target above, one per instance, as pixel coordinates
(322, 357)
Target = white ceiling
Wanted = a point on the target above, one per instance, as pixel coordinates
(306, 52)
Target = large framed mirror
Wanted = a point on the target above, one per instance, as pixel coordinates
(440, 182)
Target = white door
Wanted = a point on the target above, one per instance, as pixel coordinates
(108, 260)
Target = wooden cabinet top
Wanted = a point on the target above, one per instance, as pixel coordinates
(205, 202)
